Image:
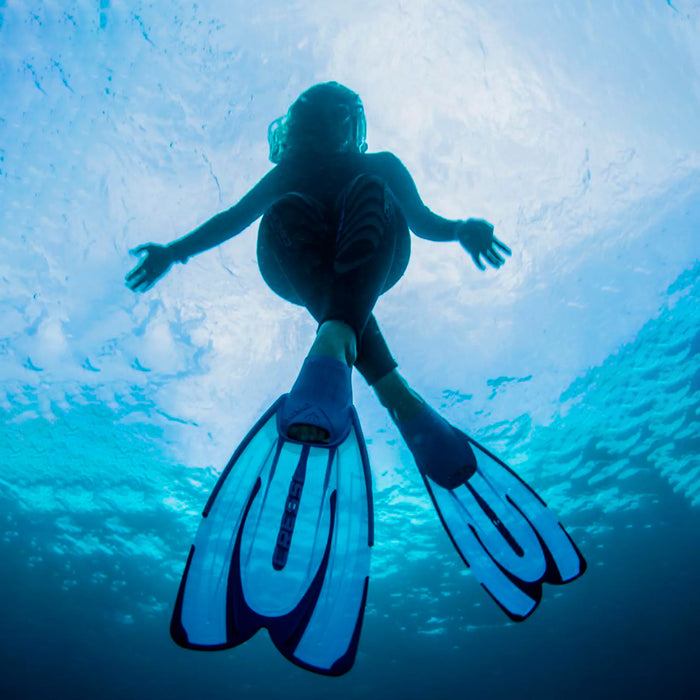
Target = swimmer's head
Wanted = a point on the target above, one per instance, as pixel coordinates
(326, 118)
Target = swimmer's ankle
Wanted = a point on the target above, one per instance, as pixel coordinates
(336, 339)
(395, 394)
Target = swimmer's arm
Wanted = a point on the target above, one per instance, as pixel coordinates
(155, 260)
(421, 220)
(229, 223)
(474, 235)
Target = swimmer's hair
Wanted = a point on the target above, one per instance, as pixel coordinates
(326, 118)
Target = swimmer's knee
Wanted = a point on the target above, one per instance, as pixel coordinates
(297, 204)
(368, 186)
(372, 195)
(293, 220)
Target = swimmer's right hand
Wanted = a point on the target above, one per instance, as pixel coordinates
(476, 237)
(150, 268)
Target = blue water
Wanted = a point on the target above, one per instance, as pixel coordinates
(572, 127)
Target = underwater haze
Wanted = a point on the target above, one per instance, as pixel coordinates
(572, 126)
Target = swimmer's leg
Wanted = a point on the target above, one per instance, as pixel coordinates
(296, 242)
(397, 396)
(371, 252)
(336, 266)
(337, 263)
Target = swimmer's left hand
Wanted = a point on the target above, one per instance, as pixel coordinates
(476, 237)
(157, 261)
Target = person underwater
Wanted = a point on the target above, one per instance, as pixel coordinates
(285, 537)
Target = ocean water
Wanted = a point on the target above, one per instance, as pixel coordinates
(571, 126)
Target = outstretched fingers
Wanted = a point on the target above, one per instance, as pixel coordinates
(131, 276)
(493, 255)
(143, 286)
(135, 279)
(504, 248)
(139, 280)
(493, 258)
(150, 268)
(477, 261)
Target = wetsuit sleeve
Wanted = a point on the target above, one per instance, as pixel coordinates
(421, 220)
(231, 222)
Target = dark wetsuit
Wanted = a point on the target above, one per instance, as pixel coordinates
(334, 236)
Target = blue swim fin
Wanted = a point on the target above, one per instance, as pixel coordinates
(501, 528)
(284, 543)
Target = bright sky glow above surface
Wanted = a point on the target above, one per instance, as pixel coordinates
(573, 127)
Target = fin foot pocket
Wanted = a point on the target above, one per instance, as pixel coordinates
(321, 398)
(441, 452)
(311, 434)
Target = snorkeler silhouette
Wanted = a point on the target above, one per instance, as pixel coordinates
(334, 235)
(296, 527)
